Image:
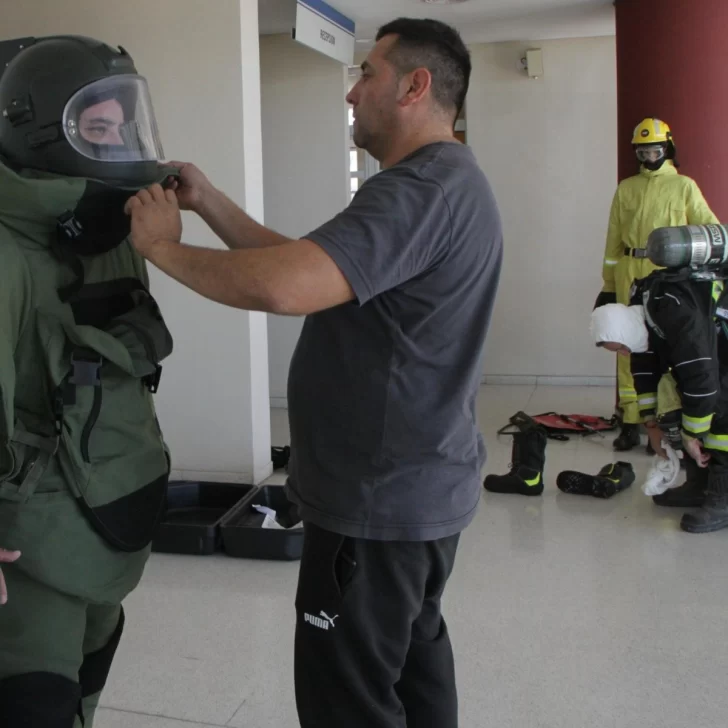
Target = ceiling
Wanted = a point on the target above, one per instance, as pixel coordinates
(480, 21)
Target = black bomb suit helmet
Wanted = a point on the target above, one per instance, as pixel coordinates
(74, 106)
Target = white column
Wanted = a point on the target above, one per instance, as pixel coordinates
(258, 413)
(225, 433)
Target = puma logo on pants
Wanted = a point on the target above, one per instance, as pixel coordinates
(323, 622)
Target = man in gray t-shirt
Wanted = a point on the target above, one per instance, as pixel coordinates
(386, 455)
(385, 443)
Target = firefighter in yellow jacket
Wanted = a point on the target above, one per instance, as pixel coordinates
(656, 197)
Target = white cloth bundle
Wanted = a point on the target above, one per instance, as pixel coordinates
(663, 474)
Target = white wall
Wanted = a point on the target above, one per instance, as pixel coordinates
(201, 61)
(549, 149)
(305, 158)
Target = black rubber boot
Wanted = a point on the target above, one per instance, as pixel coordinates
(526, 475)
(691, 494)
(39, 700)
(610, 480)
(713, 514)
(628, 438)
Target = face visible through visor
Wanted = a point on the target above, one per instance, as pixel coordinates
(112, 120)
(650, 153)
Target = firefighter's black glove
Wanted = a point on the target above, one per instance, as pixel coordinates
(604, 298)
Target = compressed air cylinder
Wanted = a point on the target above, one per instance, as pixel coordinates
(688, 245)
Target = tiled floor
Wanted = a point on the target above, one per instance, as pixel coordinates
(566, 612)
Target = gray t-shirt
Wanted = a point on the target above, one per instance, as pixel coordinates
(381, 392)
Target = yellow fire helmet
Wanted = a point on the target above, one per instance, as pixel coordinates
(652, 131)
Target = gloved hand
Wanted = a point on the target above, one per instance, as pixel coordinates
(655, 435)
(6, 557)
(669, 424)
(694, 448)
(604, 298)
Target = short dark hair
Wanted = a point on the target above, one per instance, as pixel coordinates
(437, 47)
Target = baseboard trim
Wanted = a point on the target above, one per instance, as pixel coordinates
(514, 380)
(548, 381)
(248, 477)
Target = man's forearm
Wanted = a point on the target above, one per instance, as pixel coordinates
(295, 279)
(234, 227)
(236, 278)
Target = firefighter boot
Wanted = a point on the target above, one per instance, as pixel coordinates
(526, 475)
(691, 494)
(610, 480)
(713, 514)
(628, 438)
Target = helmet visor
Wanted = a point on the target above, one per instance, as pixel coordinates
(650, 152)
(112, 120)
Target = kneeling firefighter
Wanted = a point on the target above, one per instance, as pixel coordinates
(679, 323)
(655, 197)
(83, 465)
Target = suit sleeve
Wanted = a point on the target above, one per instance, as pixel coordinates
(697, 209)
(14, 310)
(615, 247)
(692, 341)
(646, 371)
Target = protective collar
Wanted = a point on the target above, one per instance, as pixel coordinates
(73, 217)
(98, 223)
(35, 204)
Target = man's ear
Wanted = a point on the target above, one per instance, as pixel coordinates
(417, 85)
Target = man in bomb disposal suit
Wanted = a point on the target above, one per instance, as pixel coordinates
(681, 324)
(83, 465)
